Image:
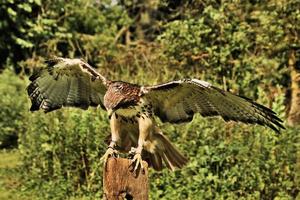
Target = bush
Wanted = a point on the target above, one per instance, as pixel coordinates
(61, 152)
(12, 112)
(63, 148)
(234, 45)
(231, 162)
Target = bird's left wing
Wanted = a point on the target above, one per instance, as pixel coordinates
(178, 101)
(66, 82)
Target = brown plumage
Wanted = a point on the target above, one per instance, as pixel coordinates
(131, 108)
(121, 95)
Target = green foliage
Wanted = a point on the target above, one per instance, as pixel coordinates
(48, 28)
(10, 177)
(64, 149)
(231, 163)
(13, 112)
(16, 17)
(240, 46)
(61, 152)
(235, 44)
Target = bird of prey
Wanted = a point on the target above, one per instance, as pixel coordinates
(132, 108)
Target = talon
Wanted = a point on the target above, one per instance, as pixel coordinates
(110, 152)
(137, 159)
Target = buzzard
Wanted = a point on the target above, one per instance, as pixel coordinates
(131, 108)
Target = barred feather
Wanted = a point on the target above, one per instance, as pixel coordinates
(66, 82)
(178, 101)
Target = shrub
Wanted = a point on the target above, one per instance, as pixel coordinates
(61, 152)
(13, 111)
(232, 44)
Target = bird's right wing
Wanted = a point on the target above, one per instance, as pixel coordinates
(66, 82)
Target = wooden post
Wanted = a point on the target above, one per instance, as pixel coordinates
(120, 182)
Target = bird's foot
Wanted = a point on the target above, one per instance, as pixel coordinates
(110, 152)
(137, 162)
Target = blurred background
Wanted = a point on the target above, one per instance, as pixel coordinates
(250, 47)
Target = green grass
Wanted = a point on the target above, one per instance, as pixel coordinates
(9, 159)
(10, 181)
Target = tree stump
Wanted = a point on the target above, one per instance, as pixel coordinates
(120, 182)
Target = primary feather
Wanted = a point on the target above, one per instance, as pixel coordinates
(178, 101)
(66, 82)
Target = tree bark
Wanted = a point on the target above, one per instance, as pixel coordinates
(120, 182)
(294, 112)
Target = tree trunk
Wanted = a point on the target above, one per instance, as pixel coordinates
(119, 182)
(294, 112)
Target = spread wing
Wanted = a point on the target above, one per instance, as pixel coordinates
(66, 82)
(178, 101)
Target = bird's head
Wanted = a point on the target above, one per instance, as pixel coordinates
(120, 95)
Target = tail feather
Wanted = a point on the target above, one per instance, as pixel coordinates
(155, 161)
(174, 158)
(171, 156)
(168, 164)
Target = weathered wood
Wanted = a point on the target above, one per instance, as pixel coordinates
(120, 182)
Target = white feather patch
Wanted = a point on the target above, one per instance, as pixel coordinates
(204, 83)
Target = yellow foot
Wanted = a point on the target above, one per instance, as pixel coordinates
(137, 159)
(110, 152)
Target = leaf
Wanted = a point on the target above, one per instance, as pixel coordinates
(24, 43)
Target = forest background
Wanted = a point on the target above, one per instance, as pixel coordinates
(250, 47)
